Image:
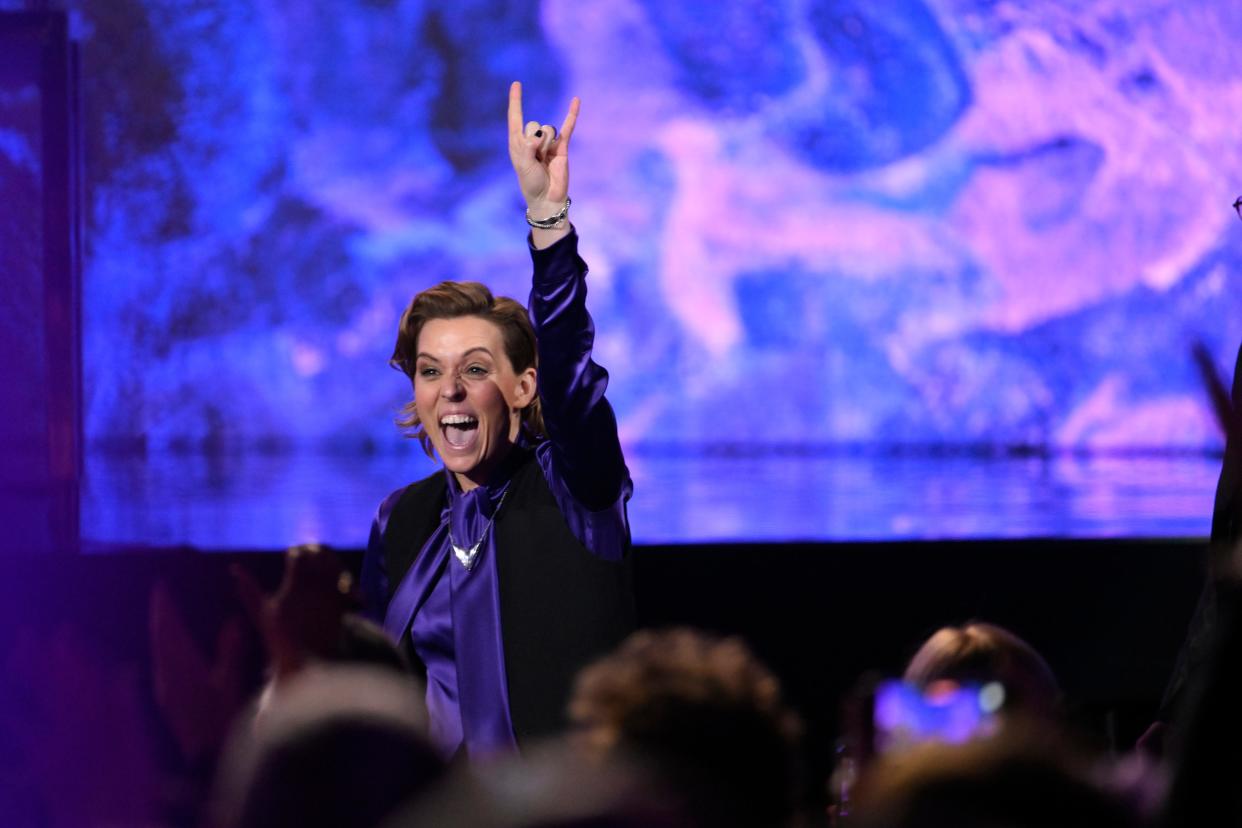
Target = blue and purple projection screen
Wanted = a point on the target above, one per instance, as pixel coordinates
(809, 223)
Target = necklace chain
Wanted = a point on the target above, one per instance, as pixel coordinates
(467, 556)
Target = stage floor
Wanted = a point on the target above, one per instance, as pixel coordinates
(269, 501)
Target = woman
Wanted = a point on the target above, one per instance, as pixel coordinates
(505, 572)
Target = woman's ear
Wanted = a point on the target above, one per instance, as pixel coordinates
(526, 389)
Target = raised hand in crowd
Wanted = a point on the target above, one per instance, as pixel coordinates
(303, 619)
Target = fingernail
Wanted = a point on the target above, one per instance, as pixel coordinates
(539, 133)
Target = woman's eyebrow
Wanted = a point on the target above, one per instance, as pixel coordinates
(466, 353)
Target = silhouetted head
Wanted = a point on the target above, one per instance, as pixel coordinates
(979, 653)
(337, 746)
(705, 711)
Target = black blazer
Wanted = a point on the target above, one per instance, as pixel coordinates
(560, 606)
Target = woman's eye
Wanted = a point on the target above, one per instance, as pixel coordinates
(428, 372)
(476, 371)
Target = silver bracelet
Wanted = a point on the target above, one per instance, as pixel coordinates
(552, 221)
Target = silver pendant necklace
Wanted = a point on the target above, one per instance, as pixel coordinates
(467, 556)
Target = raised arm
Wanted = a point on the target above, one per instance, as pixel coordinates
(582, 428)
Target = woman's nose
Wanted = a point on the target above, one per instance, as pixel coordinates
(452, 388)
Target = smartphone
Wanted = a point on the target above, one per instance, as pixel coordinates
(904, 715)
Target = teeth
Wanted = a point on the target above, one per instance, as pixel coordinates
(457, 419)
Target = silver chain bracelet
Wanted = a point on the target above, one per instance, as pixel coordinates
(552, 221)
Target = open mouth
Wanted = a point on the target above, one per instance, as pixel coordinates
(460, 430)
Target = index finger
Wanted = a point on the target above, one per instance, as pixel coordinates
(571, 119)
(515, 109)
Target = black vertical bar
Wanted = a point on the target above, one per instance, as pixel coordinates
(61, 300)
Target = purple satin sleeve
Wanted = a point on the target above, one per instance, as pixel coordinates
(374, 577)
(582, 457)
(605, 532)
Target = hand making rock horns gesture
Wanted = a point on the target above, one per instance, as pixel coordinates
(540, 157)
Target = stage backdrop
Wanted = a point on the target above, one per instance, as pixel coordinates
(809, 222)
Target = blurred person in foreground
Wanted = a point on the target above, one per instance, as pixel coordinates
(1015, 779)
(704, 714)
(1023, 766)
(338, 746)
(1203, 746)
(979, 653)
(971, 683)
(1226, 533)
(548, 786)
(1206, 758)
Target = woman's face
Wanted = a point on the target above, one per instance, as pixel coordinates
(468, 397)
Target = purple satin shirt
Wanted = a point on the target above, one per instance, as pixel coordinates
(452, 614)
